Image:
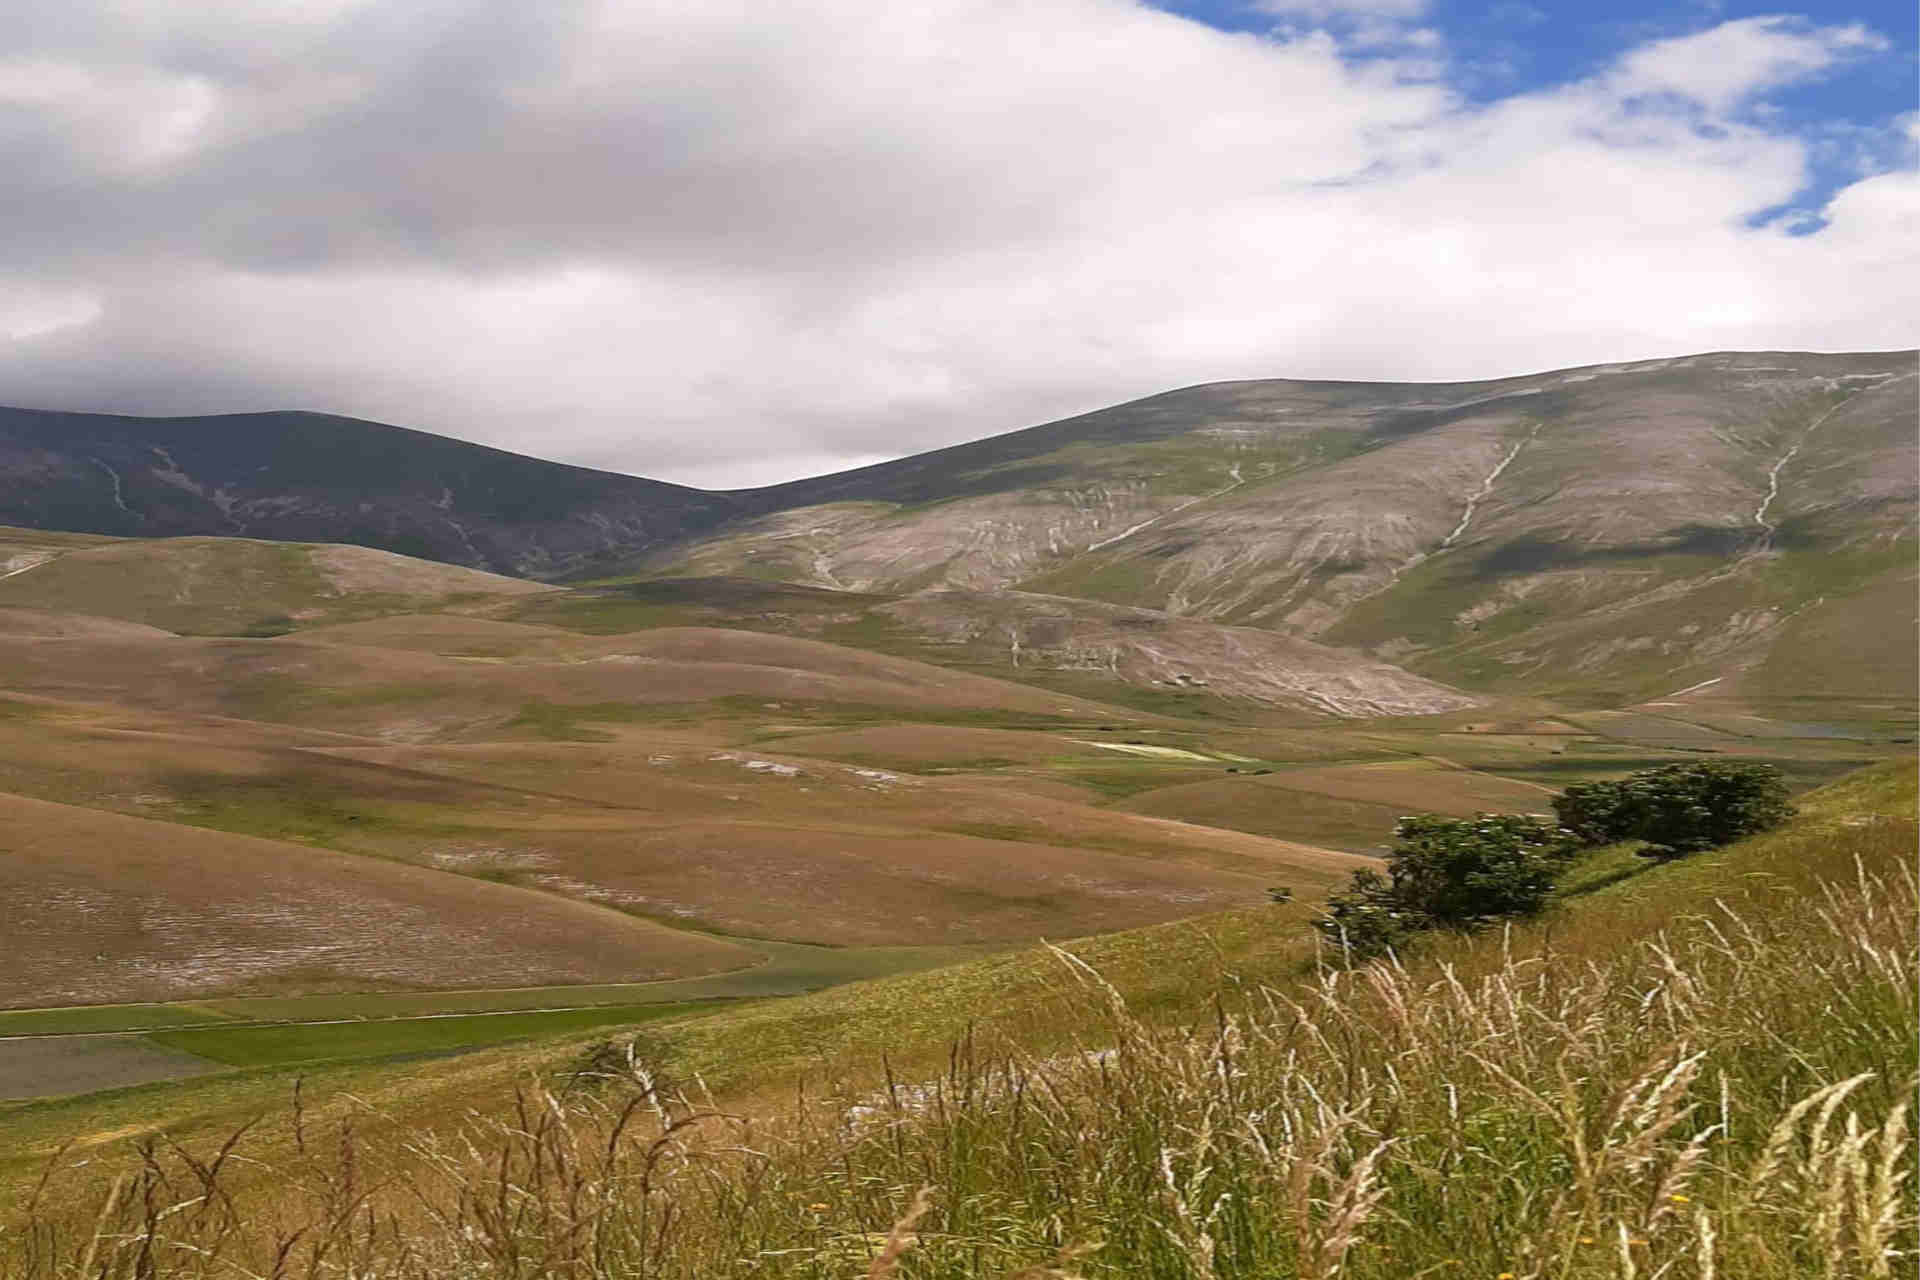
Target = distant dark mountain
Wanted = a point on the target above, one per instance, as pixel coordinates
(318, 478)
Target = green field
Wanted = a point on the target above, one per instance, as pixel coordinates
(438, 1033)
(84, 1019)
(791, 969)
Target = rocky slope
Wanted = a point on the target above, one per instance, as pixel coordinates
(1596, 532)
(1035, 635)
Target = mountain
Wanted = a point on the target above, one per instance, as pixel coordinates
(1604, 535)
(318, 478)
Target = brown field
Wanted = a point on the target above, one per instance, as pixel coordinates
(51, 624)
(1254, 805)
(414, 696)
(918, 747)
(452, 635)
(799, 848)
(857, 888)
(110, 908)
(1416, 786)
(670, 824)
(1351, 807)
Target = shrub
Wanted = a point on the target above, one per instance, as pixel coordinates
(1678, 808)
(1455, 873)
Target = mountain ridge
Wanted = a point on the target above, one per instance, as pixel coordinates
(1604, 533)
(17, 425)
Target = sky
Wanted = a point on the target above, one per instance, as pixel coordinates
(729, 243)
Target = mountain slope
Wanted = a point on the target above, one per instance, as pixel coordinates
(319, 478)
(1595, 532)
(1330, 488)
(1605, 534)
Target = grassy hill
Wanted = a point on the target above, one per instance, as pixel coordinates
(1705, 1068)
(227, 586)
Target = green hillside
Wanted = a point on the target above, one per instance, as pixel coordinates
(1705, 1068)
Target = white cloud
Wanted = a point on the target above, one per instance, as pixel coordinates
(710, 240)
(118, 117)
(29, 309)
(1723, 67)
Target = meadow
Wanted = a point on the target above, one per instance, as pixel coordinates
(1699, 1069)
(89, 1048)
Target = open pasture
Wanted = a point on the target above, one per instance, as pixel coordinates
(109, 908)
(667, 825)
(929, 748)
(1254, 805)
(84, 1048)
(63, 1065)
(406, 695)
(288, 1043)
(453, 635)
(1416, 786)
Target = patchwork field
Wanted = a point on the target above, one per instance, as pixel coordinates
(438, 813)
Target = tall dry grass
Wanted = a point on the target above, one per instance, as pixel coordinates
(1728, 1099)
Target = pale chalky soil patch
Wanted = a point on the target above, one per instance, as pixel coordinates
(1143, 749)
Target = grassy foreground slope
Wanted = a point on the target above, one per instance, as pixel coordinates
(1703, 1070)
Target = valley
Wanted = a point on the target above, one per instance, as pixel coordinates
(274, 805)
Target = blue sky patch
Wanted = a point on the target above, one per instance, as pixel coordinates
(1849, 114)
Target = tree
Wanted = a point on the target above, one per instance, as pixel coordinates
(1453, 873)
(1678, 808)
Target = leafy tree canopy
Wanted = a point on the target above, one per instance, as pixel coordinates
(1677, 808)
(1455, 873)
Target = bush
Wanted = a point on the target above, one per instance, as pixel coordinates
(1678, 808)
(1454, 873)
